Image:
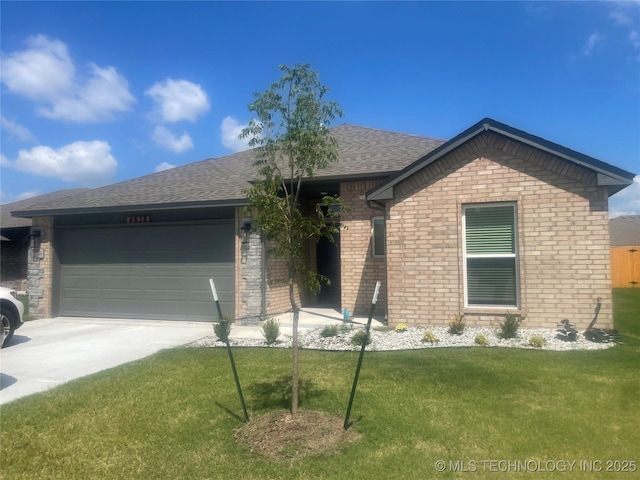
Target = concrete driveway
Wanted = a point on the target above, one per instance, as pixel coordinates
(49, 352)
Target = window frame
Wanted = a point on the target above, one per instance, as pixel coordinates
(515, 256)
(379, 221)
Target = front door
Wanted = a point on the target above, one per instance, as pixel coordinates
(328, 264)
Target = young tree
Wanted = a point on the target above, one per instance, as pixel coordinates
(291, 130)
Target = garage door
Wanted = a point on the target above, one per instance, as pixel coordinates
(147, 272)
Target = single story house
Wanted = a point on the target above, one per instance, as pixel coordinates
(14, 238)
(493, 221)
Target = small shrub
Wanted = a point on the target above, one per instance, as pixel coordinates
(401, 328)
(271, 330)
(536, 341)
(481, 340)
(457, 324)
(222, 329)
(360, 337)
(509, 328)
(429, 337)
(381, 328)
(346, 327)
(329, 331)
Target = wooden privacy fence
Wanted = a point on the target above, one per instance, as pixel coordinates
(625, 267)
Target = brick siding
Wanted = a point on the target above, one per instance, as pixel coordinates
(562, 229)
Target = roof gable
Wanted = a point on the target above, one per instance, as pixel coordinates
(614, 178)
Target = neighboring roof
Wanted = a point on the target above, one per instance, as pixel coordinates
(9, 221)
(607, 175)
(363, 152)
(625, 231)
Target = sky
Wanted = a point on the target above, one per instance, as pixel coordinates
(93, 93)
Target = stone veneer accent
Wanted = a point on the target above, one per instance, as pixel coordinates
(562, 228)
(40, 269)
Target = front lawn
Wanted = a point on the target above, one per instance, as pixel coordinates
(173, 414)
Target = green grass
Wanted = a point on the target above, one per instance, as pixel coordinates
(172, 415)
(24, 298)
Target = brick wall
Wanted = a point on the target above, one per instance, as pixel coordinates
(359, 269)
(562, 228)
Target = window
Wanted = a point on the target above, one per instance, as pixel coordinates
(491, 258)
(378, 236)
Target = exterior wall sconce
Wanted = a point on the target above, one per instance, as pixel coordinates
(245, 231)
(34, 238)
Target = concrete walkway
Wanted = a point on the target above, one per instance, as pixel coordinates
(49, 352)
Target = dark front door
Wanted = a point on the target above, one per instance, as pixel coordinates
(328, 264)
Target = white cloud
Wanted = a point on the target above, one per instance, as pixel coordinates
(85, 163)
(46, 74)
(230, 130)
(164, 138)
(15, 130)
(177, 100)
(621, 17)
(43, 71)
(164, 166)
(593, 40)
(10, 197)
(627, 201)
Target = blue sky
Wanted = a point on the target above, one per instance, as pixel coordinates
(98, 92)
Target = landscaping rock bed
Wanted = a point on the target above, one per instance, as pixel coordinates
(411, 339)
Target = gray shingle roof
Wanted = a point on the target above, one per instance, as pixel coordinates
(363, 152)
(9, 221)
(625, 231)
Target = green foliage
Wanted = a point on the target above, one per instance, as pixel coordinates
(481, 340)
(271, 330)
(345, 327)
(291, 131)
(509, 328)
(429, 337)
(360, 337)
(457, 325)
(329, 331)
(222, 329)
(401, 328)
(536, 341)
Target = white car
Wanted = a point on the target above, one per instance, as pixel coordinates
(11, 312)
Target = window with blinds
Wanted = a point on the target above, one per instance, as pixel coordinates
(378, 236)
(490, 248)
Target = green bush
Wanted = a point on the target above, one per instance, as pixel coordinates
(345, 327)
(429, 337)
(222, 329)
(361, 336)
(271, 330)
(457, 324)
(536, 341)
(329, 331)
(509, 328)
(481, 340)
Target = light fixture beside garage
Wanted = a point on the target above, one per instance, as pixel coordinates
(245, 231)
(34, 238)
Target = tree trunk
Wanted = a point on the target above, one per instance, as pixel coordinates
(294, 348)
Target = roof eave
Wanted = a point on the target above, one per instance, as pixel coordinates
(130, 208)
(614, 178)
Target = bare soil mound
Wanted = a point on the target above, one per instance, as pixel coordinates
(282, 436)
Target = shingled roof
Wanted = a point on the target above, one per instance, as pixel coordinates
(363, 152)
(9, 221)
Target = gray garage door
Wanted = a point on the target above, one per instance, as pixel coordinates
(148, 272)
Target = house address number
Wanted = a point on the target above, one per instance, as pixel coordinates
(139, 219)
